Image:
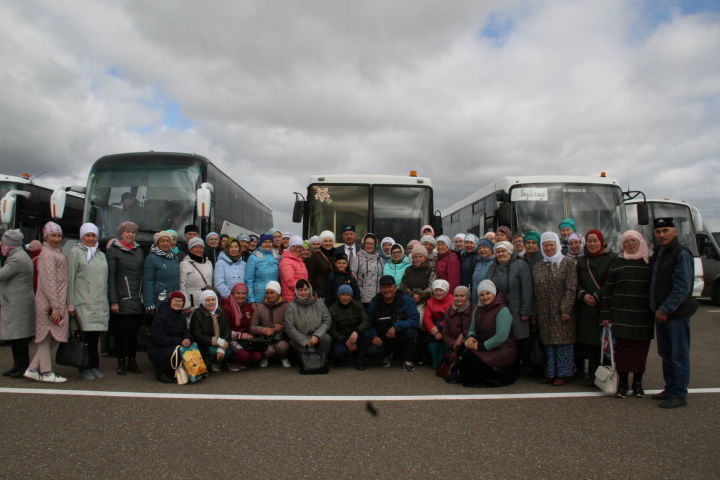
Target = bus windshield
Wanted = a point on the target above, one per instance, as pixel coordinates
(541, 207)
(332, 206)
(400, 211)
(156, 197)
(683, 222)
(5, 187)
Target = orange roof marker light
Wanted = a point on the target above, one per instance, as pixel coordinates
(603, 174)
(413, 173)
(26, 176)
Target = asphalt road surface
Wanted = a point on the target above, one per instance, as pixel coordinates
(217, 432)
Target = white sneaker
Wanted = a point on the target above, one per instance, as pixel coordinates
(233, 367)
(32, 374)
(286, 363)
(264, 363)
(52, 377)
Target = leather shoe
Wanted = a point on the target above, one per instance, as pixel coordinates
(17, 374)
(673, 403)
(660, 396)
(121, 367)
(8, 373)
(132, 366)
(559, 381)
(164, 378)
(360, 366)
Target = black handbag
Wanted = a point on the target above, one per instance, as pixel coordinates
(74, 352)
(313, 362)
(254, 345)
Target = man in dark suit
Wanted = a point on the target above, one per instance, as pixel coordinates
(349, 248)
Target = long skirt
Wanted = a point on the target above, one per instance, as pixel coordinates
(560, 361)
(631, 355)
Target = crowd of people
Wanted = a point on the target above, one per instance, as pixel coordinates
(487, 308)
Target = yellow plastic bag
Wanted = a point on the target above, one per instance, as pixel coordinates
(193, 363)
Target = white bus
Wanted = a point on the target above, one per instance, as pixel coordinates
(539, 203)
(687, 221)
(387, 205)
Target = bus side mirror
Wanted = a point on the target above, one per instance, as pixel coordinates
(57, 203)
(298, 210)
(504, 214)
(643, 214)
(436, 223)
(203, 200)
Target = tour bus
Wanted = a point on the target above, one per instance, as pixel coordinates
(539, 203)
(686, 218)
(27, 206)
(161, 190)
(387, 205)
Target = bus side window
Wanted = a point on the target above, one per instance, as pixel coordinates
(705, 247)
(30, 228)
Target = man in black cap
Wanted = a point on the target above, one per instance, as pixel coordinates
(349, 237)
(191, 231)
(671, 286)
(394, 320)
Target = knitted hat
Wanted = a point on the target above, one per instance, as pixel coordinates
(12, 238)
(162, 234)
(441, 284)
(176, 294)
(345, 289)
(419, 249)
(428, 238)
(504, 245)
(295, 240)
(207, 237)
(244, 237)
(487, 286)
(445, 239)
(194, 242)
(273, 285)
(486, 242)
(505, 230)
(326, 234)
(314, 239)
(192, 228)
(264, 237)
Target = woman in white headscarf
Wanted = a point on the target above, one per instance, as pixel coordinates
(88, 294)
(555, 282)
(209, 328)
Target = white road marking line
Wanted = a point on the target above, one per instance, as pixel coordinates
(321, 398)
(713, 311)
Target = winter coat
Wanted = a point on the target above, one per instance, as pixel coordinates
(305, 318)
(434, 315)
(625, 299)
(448, 267)
(169, 328)
(368, 268)
(201, 326)
(228, 273)
(587, 317)
(340, 278)
(532, 258)
(262, 267)
(88, 288)
(347, 319)
(492, 325)
(320, 266)
(467, 261)
(292, 269)
(519, 292)
(267, 316)
(418, 280)
(51, 293)
(17, 300)
(194, 277)
(397, 269)
(238, 325)
(161, 276)
(482, 265)
(456, 323)
(212, 254)
(555, 288)
(402, 311)
(125, 273)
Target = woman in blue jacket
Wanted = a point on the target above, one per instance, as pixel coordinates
(485, 259)
(229, 268)
(262, 267)
(161, 272)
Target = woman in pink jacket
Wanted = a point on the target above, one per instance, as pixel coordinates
(447, 264)
(51, 312)
(292, 268)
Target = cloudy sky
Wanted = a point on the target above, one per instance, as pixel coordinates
(462, 91)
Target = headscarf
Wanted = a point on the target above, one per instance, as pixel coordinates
(486, 242)
(401, 249)
(490, 236)
(643, 252)
(425, 227)
(86, 228)
(172, 233)
(49, 228)
(234, 307)
(466, 303)
(209, 294)
(551, 237)
(207, 237)
(577, 236)
(386, 240)
(487, 286)
(229, 242)
(505, 245)
(459, 235)
(127, 227)
(326, 234)
(598, 234)
(161, 234)
(568, 223)
(506, 231)
(428, 238)
(273, 285)
(532, 235)
(175, 250)
(314, 239)
(472, 238)
(445, 239)
(411, 244)
(441, 284)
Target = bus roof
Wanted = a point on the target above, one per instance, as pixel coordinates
(504, 184)
(371, 179)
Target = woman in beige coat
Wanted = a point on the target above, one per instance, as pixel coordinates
(51, 313)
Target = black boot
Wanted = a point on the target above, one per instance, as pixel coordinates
(637, 387)
(132, 366)
(622, 391)
(9, 373)
(164, 377)
(121, 368)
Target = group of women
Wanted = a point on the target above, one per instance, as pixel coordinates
(482, 301)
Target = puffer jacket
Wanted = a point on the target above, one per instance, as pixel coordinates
(482, 265)
(347, 319)
(448, 267)
(305, 318)
(161, 275)
(194, 277)
(262, 266)
(125, 273)
(397, 269)
(228, 273)
(367, 268)
(292, 269)
(87, 288)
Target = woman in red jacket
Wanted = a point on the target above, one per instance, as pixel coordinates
(447, 264)
(435, 309)
(239, 315)
(292, 268)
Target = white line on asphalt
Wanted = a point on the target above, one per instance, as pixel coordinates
(320, 398)
(713, 311)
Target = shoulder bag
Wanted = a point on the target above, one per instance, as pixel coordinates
(606, 377)
(181, 376)
(74, 352)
